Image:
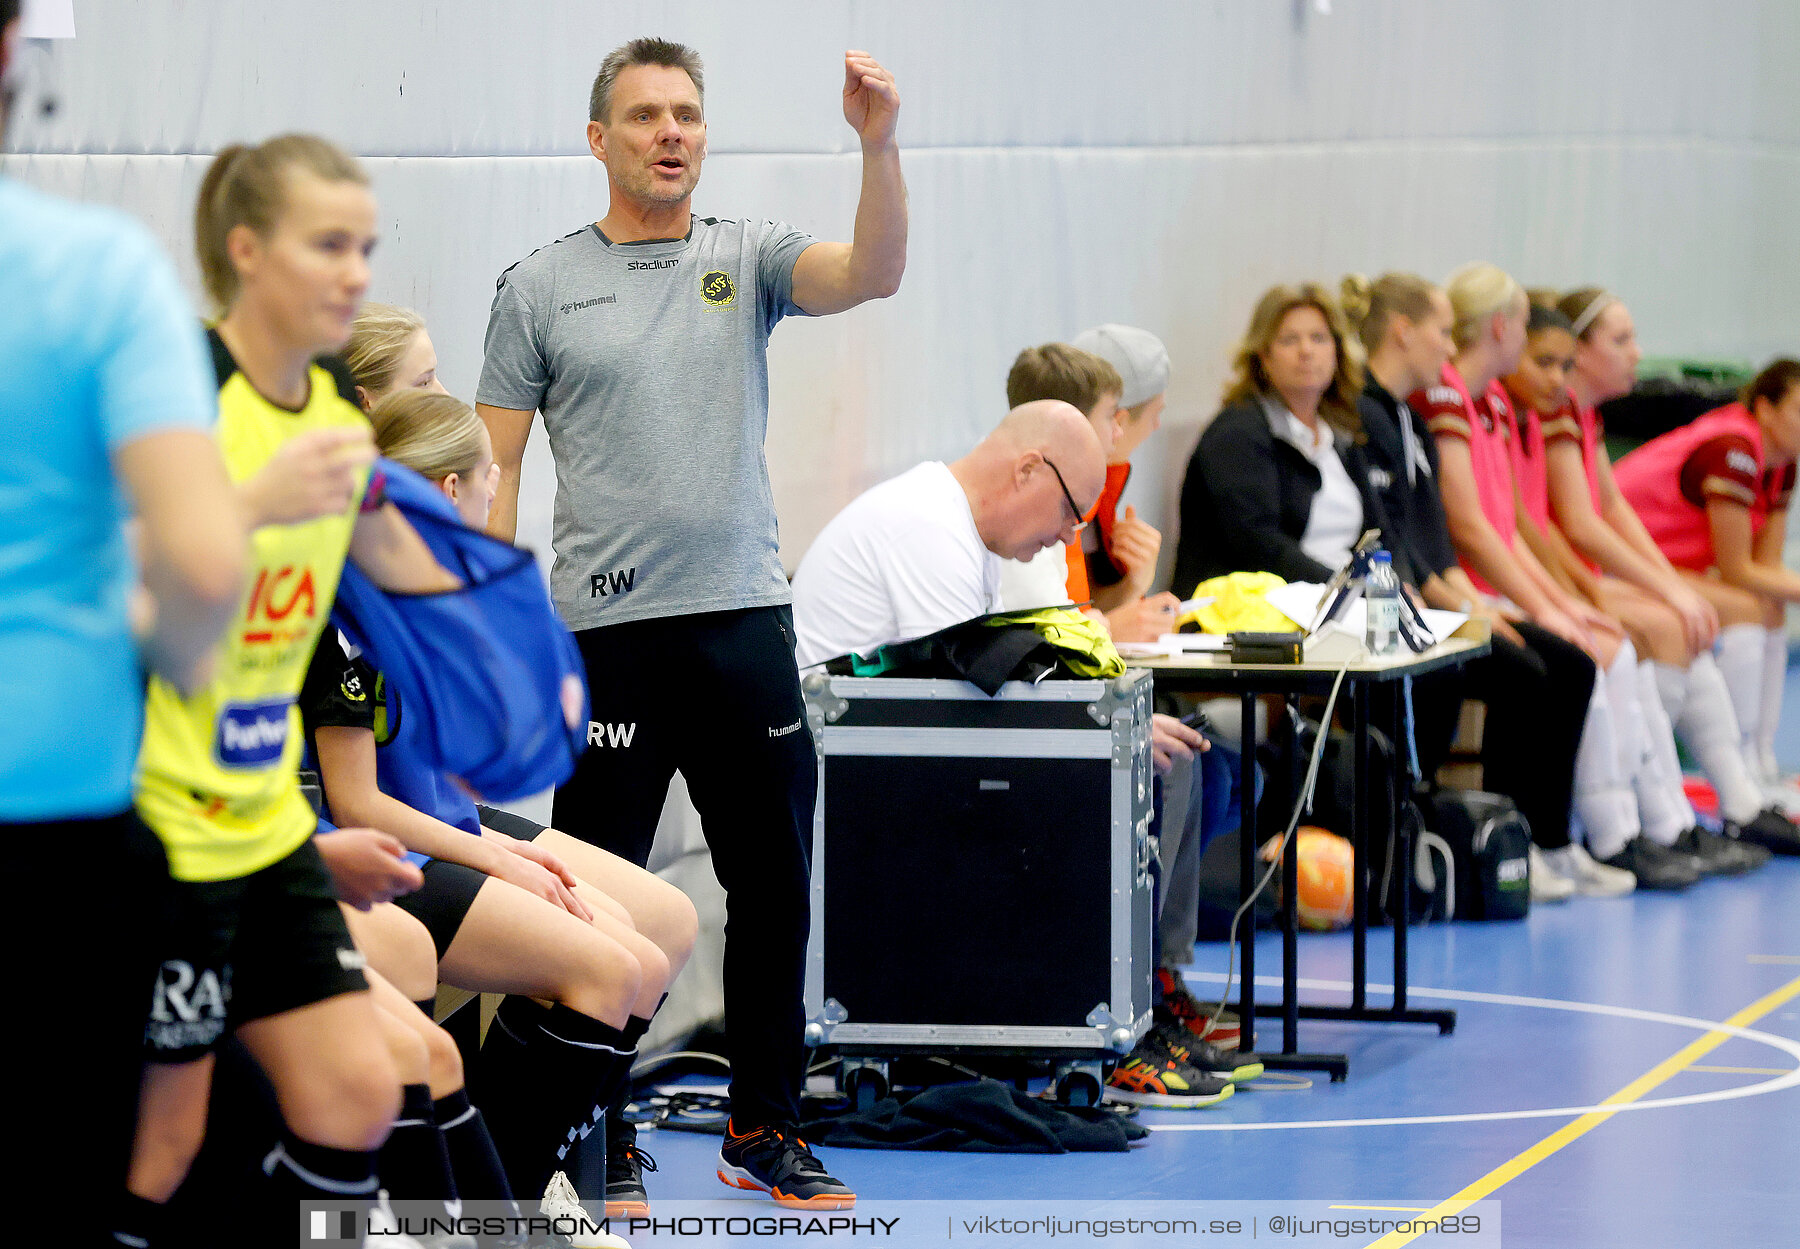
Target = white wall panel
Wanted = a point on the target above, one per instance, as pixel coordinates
(471, 77)
(1157, 165)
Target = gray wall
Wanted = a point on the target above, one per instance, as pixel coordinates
(1157, 163)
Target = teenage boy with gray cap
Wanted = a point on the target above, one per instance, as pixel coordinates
(1121, 550)
(1190, 817)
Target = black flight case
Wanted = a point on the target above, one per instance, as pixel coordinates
(980, 874)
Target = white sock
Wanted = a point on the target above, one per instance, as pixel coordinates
(1659, 820)
(1740, 658)
(1664, 764)
(1621, 689)
(1774, 678)
(1708, 727)
(1672, 684)
(1602, 798)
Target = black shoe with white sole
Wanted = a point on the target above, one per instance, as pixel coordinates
(1771, 830)
(1721, 856)
(1656, 867)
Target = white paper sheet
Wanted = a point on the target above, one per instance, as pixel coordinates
(1174, 645)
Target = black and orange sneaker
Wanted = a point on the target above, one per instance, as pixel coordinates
(1152, 1075)
(625, 1167)
(774, 1160)
(1230, 1065)
(1224, 1032)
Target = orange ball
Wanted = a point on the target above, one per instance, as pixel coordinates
(1326, 873)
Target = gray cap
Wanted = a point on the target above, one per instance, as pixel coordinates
(1139, 355)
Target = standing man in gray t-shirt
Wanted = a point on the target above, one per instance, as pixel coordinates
(642, 339)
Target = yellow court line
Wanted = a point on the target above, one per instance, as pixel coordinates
(1402, 1209)
(1669, 1067)
(1745, 1071)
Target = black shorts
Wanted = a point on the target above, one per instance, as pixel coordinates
(96, 960)
(443, 901)
(245, 949)
(506, 822)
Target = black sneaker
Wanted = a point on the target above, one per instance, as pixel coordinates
(625, 1167)
(774, 1160)
(1770, 829)
(1169, 1033)
(1224, 1032)
(1721, 856)
(1151, 1075)
(1656, 867)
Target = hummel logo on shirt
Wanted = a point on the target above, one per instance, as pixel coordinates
(579, 304)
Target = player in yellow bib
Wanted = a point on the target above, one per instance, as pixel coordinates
(258, 947)
(217, 771)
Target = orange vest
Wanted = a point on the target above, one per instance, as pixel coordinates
(1103, 514)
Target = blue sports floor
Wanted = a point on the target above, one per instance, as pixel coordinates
(1588, 1002)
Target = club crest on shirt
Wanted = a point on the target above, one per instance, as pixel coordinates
(716, 288)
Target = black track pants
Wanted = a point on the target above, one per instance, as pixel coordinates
(717, 697)
(1537, 702)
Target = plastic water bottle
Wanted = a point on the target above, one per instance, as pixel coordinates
(1381, 598)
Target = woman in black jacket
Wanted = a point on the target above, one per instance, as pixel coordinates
(1278, 483)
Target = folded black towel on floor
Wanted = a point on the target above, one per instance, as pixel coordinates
(984, 1116)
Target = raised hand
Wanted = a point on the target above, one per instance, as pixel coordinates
(871, 100)
(1135, 545)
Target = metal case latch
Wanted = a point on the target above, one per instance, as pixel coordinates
(1118, 1035)
(1121, 691)
(818, 1030)
(823, 706)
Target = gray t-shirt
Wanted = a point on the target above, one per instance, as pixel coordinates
(648, 361)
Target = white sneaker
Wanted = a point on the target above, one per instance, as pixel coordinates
(1547, 884)
(1592, 880)
(383, 1216)
(562, 1202)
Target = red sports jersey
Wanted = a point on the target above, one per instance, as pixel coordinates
(1449, 412)
(1579, 423)
(1531, 466)
(1719, 456)
(1525, 452)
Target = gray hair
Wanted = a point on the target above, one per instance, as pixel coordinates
(646, 51)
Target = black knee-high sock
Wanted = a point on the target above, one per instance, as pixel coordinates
(619, 1131)
(414, 1163)
(473, 1160)
(542, 1072)
(583, 1152)
(302, 1171)
(137, 1222)
(585, 1155)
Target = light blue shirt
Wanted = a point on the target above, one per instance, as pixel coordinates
(98, 347)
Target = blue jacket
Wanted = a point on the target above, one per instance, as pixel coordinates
(490, 678)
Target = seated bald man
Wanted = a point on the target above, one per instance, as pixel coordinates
(922, 551)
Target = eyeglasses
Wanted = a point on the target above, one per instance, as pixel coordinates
(1074, 511)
